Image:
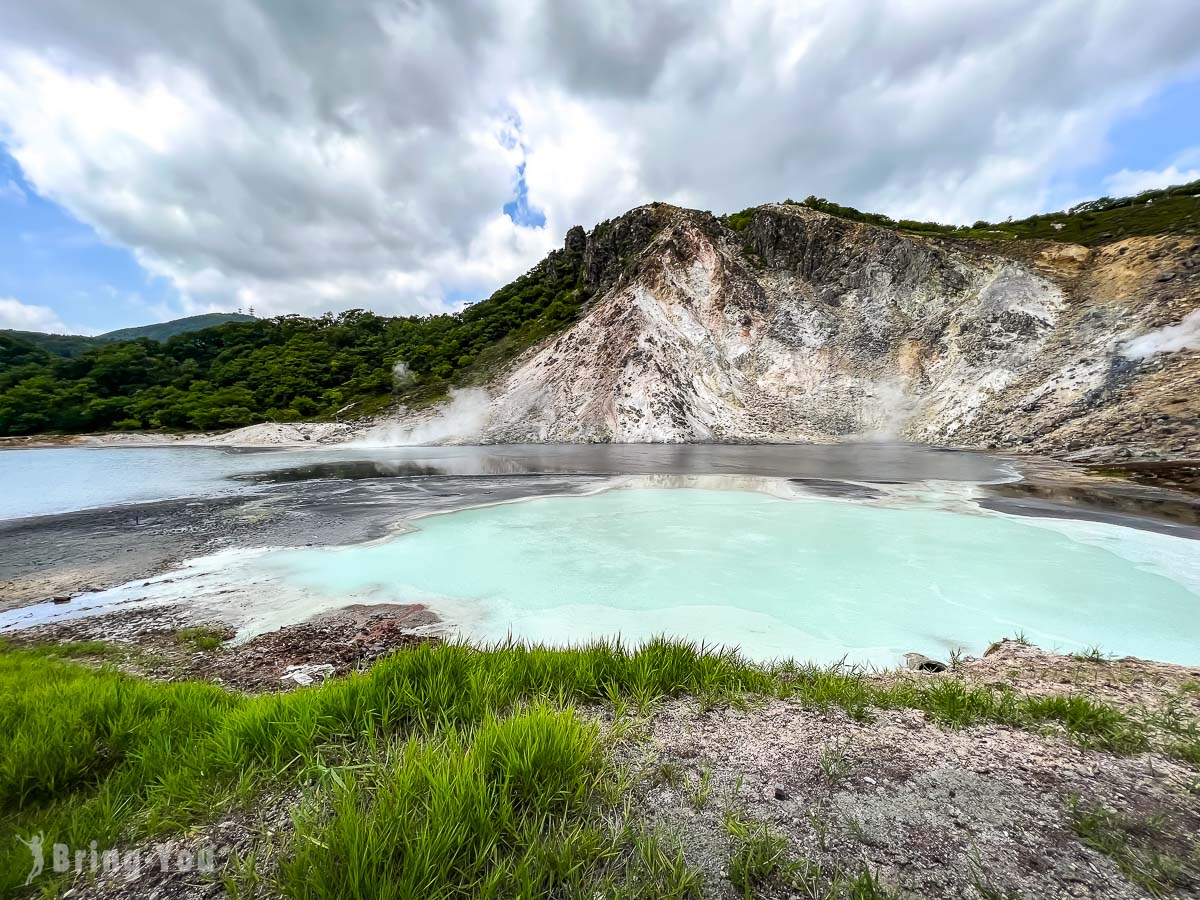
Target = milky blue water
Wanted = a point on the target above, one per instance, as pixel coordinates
(813, 579)
(910, 566)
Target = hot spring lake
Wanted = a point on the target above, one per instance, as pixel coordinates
(859, 551)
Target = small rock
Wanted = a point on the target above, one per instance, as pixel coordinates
(922, 663)
(61, 598)
(780, 793)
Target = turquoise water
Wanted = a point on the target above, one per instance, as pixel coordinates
(812, 579)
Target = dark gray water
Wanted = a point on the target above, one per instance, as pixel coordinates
(40, 482)
(875, 462)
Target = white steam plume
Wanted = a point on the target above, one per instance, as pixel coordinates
(889, 407)
(401, 374)
(460, 421)
(1168, 339)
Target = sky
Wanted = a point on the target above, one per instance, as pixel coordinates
(166, 159)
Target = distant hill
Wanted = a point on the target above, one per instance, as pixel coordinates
(164, 330)
(72, 345)
(69, 345)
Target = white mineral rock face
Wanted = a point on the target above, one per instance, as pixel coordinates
(807, 327)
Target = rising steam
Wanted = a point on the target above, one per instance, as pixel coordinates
(888, 409)
(401, 374)
(1168, 339)
(460, 421)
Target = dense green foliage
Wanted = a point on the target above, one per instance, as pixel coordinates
(56, 344)
(281, 369)
(78, 344)
(502, 790)
(1173, 209)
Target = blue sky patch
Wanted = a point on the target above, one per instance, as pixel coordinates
(50, 258)
(518, 208)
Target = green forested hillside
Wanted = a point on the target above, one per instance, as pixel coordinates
(1173, 209)
(292, 368)
(56, 344)
(161, 331)
(78, 344)
(281, 369)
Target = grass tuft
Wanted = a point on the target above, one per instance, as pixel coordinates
(1138, 846)
(201, 638)
(760, 859)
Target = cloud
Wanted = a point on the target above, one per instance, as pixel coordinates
(310, 156)
(1129, 182)
(28, 317)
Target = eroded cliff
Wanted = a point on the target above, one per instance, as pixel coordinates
(801, 326)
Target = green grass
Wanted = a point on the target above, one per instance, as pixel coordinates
(1182, 732)
(89, 753)
(501, 811)
(1092, 654)
(835, 761)
(92, 754)
(201, 638)
(80, 650)
(761, 858)
(1141, 847)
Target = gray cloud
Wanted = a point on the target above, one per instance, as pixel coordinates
(303, 156)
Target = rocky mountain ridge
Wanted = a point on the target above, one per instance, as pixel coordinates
(802, 326)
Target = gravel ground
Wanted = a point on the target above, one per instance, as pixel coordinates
(934, 812)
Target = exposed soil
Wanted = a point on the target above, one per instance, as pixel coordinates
(1112, 494)
(934, 812)
(163, 645)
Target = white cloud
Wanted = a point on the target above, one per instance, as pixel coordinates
(28, 317)
(1129, 182)
(307, 156)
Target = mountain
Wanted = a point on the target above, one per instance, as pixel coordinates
(72, 345)
(1071, 331)
(787, 323)
(163, 330)
(68, 345)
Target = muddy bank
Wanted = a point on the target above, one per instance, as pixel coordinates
(1154, 498)
(170, 645)
(267, 434)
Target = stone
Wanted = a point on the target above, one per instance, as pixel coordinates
(922, 663)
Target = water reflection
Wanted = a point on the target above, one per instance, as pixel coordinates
(875, 462)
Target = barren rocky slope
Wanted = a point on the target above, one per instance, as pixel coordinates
(801, 326)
